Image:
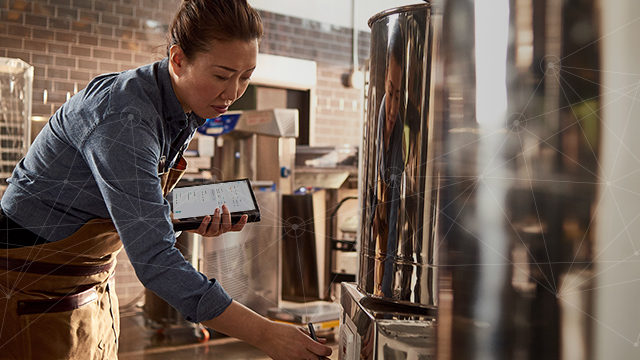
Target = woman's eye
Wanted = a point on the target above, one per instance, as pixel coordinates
(246, 78)
(223, 78)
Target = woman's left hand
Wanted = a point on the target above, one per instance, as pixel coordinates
(219, 223)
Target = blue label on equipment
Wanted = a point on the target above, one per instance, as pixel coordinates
(219, 126)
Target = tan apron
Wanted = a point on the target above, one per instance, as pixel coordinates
(57, 299)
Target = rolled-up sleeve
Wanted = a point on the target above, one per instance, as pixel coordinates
(123, 158)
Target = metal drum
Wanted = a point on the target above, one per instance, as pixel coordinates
(400, 170)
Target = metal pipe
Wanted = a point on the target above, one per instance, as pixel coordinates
(356, 64)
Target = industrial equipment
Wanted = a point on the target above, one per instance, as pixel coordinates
(390, 313)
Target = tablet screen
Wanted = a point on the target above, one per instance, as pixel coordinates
(202, 200)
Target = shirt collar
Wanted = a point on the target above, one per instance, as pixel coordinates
(171, 107)
(194, 117)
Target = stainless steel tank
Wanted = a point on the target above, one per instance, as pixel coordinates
(390, 313)
(401, 169)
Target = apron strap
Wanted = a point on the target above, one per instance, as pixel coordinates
(66, 303)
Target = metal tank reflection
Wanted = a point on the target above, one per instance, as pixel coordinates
(399, 173)
(521, 98)
(390, 313)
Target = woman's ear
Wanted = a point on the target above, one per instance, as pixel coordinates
(177, 59)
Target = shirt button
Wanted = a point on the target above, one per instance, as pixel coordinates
(183, 123)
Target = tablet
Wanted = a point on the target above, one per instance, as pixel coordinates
(190, 204)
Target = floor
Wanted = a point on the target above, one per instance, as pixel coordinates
(139, 341)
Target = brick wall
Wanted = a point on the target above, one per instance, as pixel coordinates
(337, 116)
(71, 41)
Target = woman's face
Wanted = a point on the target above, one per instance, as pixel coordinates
(211, 81)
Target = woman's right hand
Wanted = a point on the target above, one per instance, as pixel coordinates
(289, 342)
(279, 341)
(219, 223)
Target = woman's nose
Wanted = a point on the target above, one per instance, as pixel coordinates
(231, 91)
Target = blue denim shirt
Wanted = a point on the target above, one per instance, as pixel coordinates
(391, 170)
(98, 158)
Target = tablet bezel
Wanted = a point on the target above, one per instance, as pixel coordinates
(192, 223)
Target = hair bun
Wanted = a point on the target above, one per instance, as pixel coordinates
(197, 22)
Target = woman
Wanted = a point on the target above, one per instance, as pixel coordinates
(390, 164)
(94, 181)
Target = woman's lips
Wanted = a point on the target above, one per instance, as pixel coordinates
(221, 109)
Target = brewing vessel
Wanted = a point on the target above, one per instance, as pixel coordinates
(390, 313)
(400, 170)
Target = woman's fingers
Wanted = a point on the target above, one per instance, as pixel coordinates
(240, 224)
(220, 223)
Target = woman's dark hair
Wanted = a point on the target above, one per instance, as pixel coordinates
(197, 22)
